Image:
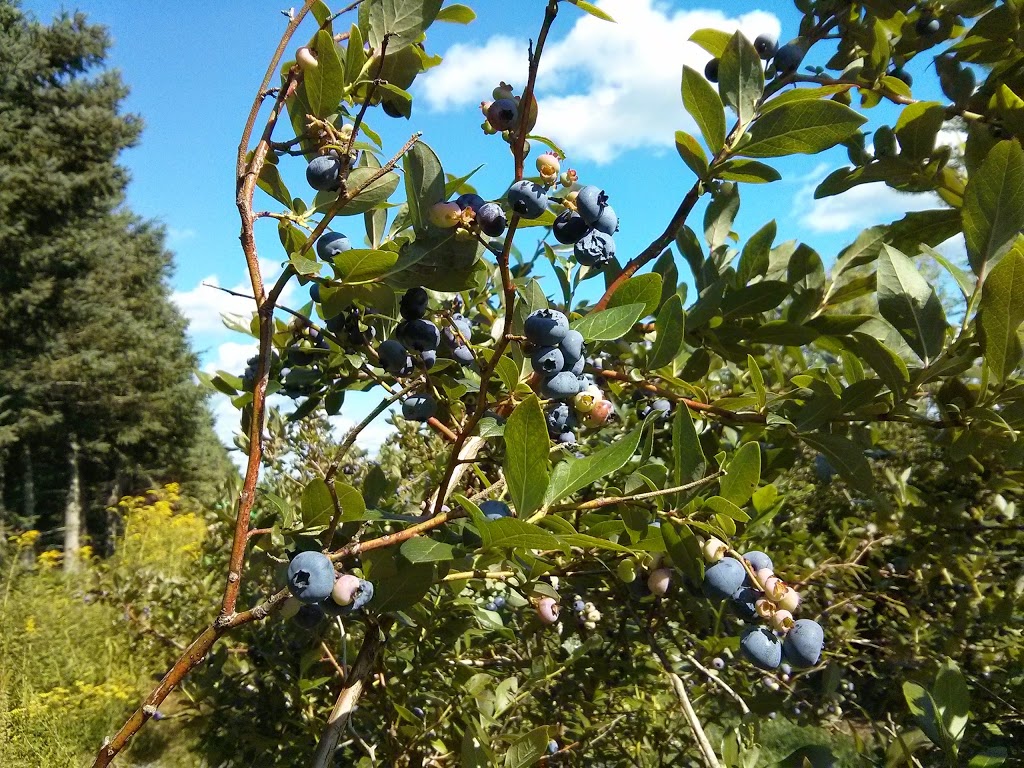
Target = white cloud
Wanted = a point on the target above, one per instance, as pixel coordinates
(860, 207)
(180, 234)
(603, 88)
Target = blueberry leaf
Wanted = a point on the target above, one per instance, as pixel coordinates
(1001, 315)
(526, 456)
(325, 83)
(801, 127)
(910, 304)
(669, 325)
(993, 211)
(705, 107)
(609, 324)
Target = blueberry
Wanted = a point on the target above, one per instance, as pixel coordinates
(413, 305)
(577, 368)
(309, 616)
(804, 642)
(744, 602)
(552, 747)
(463, 355)
(418, 711)
(548, 360)
(607, 222)
(546, 327)
(901, 74)
(723, 578)
(494, 509)
(314, 292)
(822, 469)
(311, 576)
(766, 45)
(560, 418)
(419, 407)
(490, 606)
(594, 249)
(786, 669)
(419, 335)
(324, 173)
(463, 336)
(711, 71)
(761, 647)
(568, 439)
(330, 244)
(718, 663)
(661, 406)
(569, 227)
(561, 386)
(578, 606)
(758, 560)
(491, 218)
(788, 57)
(502, 114)
(927, 25)
(470, 200)
(359, 595)
(429, 357)
(572, 345)
(499, 601)
(394, 358)
(590, 201)
(528, 199)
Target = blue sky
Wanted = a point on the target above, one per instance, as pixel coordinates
(608, 93)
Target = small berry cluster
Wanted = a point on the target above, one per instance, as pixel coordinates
(754, 592)
(502, 114)
(587, 614)
(317, 591)
(786, 59)
(469, 214)
(588, 223)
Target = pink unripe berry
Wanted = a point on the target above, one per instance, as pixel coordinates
(599, 413)
(790, 600)
(714, 550)
(774, 588)
(306, 59)
(763, 575)
(345, 589)
(445, 215)
(764, 608)
(782, 620)
(659, 580)
(547, 610)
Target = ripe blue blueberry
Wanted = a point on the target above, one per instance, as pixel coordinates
(578, 606)
(577, 368)
(499, 601)
(502, 114)
(901, 74)
(607, 222)
(491, 218)
(324, 173)
(723, 578)
(330, 244)
(419, 407)
(362, 595)
(548, 360)
(788, 57)
(572, 345)
(470, 200)
(309, 616)
(569, 227)
(419, 335)
(718, 663)
(413, 305)
(528, 199)
(490, 606)
(927, 24)
(394, 358)
(568, 439)
(804, 642)
(661, 406)
(765, 45)
(561, 386)
(590, 201)
(744, 602)
(758, 560)
(552, 747)
(761, 647)
(546, 327)
(429, 357)
(594, 249)
(560, 418)
(463, 355)
(494, 509)
(461, 334)
(711, 71)
(314, 292)
(418, 711)
(786, 669)
(311, 576)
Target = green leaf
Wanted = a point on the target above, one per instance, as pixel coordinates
(426, 550)
(887, 364)
(508, 532)
(350, 500)
(757, 381)
(270, 181)
(918, 126)
(526, 456)
(325, 83)
(682, 547)
(424, 182)
(920, 703)
(609, 324)
(755, 257)
(670, 326)
(584, 541)
(401, 584)
(593, 10)
(740, 77)
(964, 280)
(747, 171)
(1001, 313)
(688, 461)
(755, 298)
(910, 304)
(993, 212)
(801, 127)
(714, 41)
(848, 460)
(952, 700)
(361, 265)
(643, 289)
(692, 154)
(571, 475)
(527, 749)
(457, 14)
(377, 192)
(405, 20)
(316, 504)
(800, 94)
(742, 474)
(992, 757)
(704, 104)
(722, 506)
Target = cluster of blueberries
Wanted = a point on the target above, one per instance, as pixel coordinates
(754, 592)
(588, 223)
(467, 212)
(558, 357)
(317, 591)
(787, 58)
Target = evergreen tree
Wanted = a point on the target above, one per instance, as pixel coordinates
(93, 353)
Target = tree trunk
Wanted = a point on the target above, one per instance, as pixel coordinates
(72, 511)
(112, 526)
(28, 488)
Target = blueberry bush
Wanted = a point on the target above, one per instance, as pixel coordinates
(771, 522)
